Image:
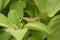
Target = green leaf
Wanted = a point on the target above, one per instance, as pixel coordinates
(12, 38)
(49, 6)
(13, 17)
(4, 21)
(0, 4)
(18, 34)
(18, 6)
(4, 3)
(38, 26)
(54, 24)
(53, 7)
(41, 4)
(4, 35)
(30, 8)
(39, 35)
(35, 37)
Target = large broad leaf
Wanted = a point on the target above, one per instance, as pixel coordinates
(4, 35)
(0, 4)
(54, 24)
(4, 21)
(35, 37)
(53, 7)
(41, 4)
(30, 8)
(18, 6)
(49, 6)
(4, 3)
(12, 38)
(18, 34)
(38, 26)
(13, 17)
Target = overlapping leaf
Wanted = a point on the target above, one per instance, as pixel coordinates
(18, 34)
(49, 6)
(12, 38)
(30, 8)
(4, 21)
(41, 4)
(4, 35)
(53, 7)
(38, 26)
(13, 17)
(4, 3)
(18, 6)
(0, 4)
(35, 37)
(54, 24)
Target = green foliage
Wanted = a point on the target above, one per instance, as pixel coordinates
(18, 34)
(49, 6)
(4, 35)
(38, 26)
(18, 6)
(13, 17)
(4, 21)
(30, 20)
(35, 37)
(0, 4)
(3, 3)
(54, 24)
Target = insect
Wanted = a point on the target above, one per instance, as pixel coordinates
(30, 19)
